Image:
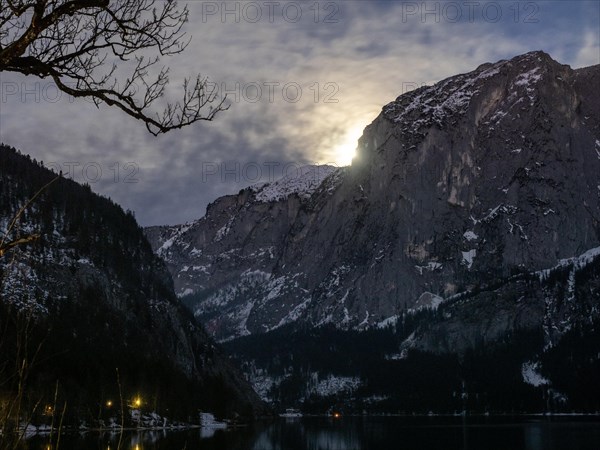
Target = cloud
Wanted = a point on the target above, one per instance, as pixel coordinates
(589, 52)
(346, 69)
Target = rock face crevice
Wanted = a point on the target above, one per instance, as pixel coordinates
(461, 184)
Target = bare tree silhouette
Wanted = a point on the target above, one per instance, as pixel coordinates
(79, 44)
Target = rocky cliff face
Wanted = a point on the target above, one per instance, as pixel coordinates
(456, 187)
(92, 280)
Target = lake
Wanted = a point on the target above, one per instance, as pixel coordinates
(360, 433)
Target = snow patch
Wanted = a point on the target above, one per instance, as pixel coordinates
(365, 322)
(531, 376)
(430, 267)
(177, 232)
(431, 105)
(427, 300)
(528, 78)
(203, 269)
(468, 256)
(392, 320)
(303, 182)
(578, 263)
(184, 292)
(295, 313)
(224, 230)
(495, 212)
(207, 420)
(376, 398)
(470, 236)
(405, 347)
(333, 385)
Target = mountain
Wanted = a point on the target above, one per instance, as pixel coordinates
(231, 256)
(467, 223)
(100, 305)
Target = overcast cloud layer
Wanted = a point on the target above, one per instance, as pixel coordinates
(349, 58)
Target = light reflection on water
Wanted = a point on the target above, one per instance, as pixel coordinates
(360, 433)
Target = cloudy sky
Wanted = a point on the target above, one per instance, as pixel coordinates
(303, 80)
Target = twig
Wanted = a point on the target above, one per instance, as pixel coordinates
(62, 416)
(122, 411)
(5, 246)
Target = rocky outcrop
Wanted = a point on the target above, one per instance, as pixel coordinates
(456, 186)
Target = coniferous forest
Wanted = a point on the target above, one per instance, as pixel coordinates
(88, 317)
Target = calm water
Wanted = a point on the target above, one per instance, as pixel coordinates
(372, 433)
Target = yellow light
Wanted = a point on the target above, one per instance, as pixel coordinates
(137, 402)
(337, 415)
(345, 151)
(109, 403)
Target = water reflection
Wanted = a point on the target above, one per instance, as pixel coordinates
(303, 435)
(534, 437)
(372, 433)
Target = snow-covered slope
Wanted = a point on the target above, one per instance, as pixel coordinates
(303, 181)
(191, 248)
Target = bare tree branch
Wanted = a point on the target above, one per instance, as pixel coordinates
(80, 44)
(19, 241)
(6, 245)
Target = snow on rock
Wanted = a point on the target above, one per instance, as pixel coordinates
(21, 288)
(578, 262)
(427, 300)
(365, 321)
(224, 296)
(303, 182)
(168, 243)
(430, 267)
(470, 236)
(433, 104)
(531, 376)
(202, 269)
(333, 385)
(495, 212)
(406, 345)
(376, 398)
(585, 258)
(468, 257)
(392, 320)
(529, 78)
(185, 292)
(207, 420)
(224, 230)
(332, 282)
(295, 313)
